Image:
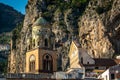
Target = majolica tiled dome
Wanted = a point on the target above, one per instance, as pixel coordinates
(40, 22)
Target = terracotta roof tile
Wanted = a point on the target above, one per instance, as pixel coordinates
(104, 62)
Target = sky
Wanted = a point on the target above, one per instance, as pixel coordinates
(18, 5)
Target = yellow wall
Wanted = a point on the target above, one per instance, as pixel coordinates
(28, 55)
(39, 53)
(74, 56)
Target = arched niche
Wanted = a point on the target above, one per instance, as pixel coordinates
(47, 63)
(32, 63)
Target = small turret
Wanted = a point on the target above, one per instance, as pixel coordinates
(42, 35)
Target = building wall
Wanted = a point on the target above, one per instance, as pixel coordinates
(73, 55)
(39, 53)
(112, 70)
(60, 75)
(116, 71)
(105, 75)
(35, 31)
(35, 36)
(87, 59)
(28, 55)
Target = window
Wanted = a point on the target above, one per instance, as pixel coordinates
(70, 75)
(32, 63)
(46, 43)
(82, 60)
(34, 43)
(87, 62)
(47, 63)
(80, 75)
(93, 53)
(28, 47)
(96, 68)
(38, 43)
(112, 76)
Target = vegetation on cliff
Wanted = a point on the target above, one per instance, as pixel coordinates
(3, 66)
(16, 34)
(5, 38)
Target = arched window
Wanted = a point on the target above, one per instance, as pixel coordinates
(82, 60)
(47, 63)
(46, 43)
(38, 43)
(93, 53)
(34, 43)
(32, 63)
(28, 48)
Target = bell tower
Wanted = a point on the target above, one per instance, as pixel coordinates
(45, 57)
(46, 38)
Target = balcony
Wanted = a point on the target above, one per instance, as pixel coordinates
(28, 76)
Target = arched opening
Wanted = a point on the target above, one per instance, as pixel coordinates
(87, 62)
(82, 60)
(28, 47)
(46, 43)
(93, 53)
(32, 63)
(38, 43)
(33, 42)
(47, 63)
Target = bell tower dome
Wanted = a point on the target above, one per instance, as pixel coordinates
(42, 34)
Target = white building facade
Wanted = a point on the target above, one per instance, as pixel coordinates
(113, 73)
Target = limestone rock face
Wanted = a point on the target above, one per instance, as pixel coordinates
(92, 35)
(98, 30)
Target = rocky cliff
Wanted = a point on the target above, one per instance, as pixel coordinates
(94, 23)
(99, 28)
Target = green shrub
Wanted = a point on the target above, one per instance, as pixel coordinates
(105, 8)
(5, 39)
(16, 34)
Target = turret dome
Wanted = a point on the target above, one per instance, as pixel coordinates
(41, 22)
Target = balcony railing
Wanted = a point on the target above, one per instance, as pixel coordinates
(24, 75)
